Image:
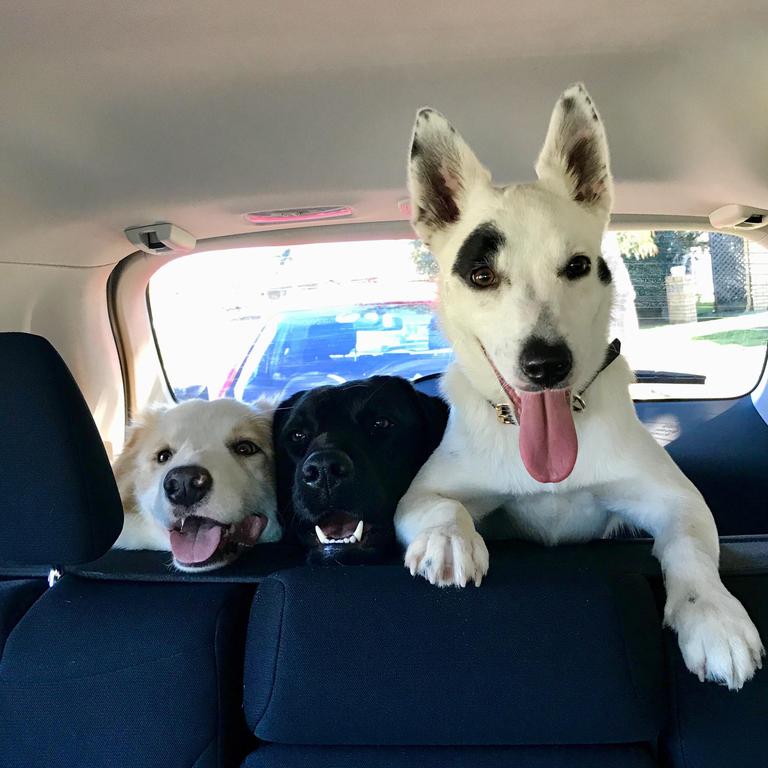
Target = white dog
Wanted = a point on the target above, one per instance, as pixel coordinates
(541, 420)
(198, 480)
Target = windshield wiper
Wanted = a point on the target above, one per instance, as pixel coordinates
(643, 377)
(669, 377)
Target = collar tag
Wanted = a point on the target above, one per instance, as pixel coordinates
(505, 413)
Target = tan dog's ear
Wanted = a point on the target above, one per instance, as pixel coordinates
(264, 413)
(124, 466)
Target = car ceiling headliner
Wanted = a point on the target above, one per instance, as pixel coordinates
(121, 114)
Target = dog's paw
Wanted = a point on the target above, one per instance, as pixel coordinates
(448, 555)
(717, 638)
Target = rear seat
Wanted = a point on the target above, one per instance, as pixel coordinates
(58, 503)
(710, 726)
(371, 667)
(557, 660)
(96, 673)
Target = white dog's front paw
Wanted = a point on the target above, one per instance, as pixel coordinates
(448, 555)
(717, 638)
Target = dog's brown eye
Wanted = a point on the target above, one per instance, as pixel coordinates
(382, 423)
(298, 436)
(245, 448)
(483, 277)
(577, 267)
(164, 455)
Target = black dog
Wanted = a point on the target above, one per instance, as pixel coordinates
(345, 455)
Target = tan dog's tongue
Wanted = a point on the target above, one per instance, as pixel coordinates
(548, 444)
(196, 543)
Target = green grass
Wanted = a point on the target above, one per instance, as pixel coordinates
(744, 337)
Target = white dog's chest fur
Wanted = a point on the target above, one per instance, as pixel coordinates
(553, 518)
(573, 510)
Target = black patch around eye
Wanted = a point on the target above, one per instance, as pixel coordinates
(479, 250)
(603, 271)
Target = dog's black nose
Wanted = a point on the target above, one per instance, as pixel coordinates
(545, 364)
(327, 469)
(186, 486)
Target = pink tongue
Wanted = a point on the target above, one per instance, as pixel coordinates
(548, 444)
(196, 543)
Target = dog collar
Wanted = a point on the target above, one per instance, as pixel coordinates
(505, 413)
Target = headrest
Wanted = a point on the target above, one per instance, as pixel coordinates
(370, 656)
(58, 501)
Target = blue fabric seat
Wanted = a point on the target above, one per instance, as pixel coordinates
(58, 501)
(341, 660)
(710, 726)
(100, 674)
(97, 673)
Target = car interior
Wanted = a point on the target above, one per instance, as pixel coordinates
(206, 200)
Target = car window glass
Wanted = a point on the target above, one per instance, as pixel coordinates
(691, 309)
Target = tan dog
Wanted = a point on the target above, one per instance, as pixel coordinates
(197, 480)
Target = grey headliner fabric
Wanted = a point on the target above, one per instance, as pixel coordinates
(196, 114)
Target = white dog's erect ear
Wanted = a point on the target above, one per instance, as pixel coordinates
(575, 153)
(442, 171)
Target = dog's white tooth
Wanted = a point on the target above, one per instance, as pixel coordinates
(181, 528)
(321, 537)
(358, 534)
(353, 539)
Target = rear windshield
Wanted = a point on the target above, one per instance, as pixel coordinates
(691, 311)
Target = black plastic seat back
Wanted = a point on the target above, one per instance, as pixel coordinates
(58, 500)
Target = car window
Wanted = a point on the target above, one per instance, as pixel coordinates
(691, 311)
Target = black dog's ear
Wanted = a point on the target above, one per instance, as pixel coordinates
(434, 412)
(284, 466)
(283, 413)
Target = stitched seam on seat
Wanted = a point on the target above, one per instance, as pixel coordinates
(226, 607)
(202, 754)
(15, 626)
(58, 680)
(625, 648)
(277, 655)
(675, 703)
(217, 659)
